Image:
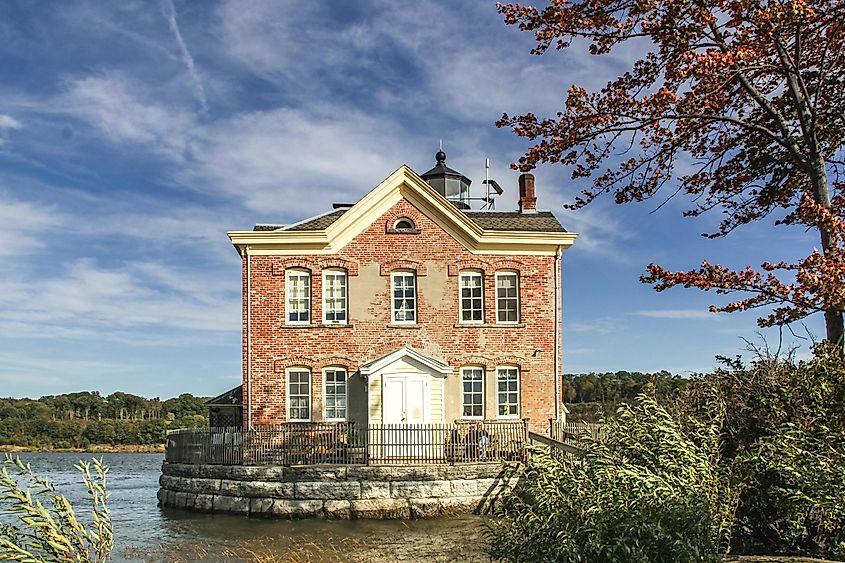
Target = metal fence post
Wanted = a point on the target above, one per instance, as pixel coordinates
(366, 443)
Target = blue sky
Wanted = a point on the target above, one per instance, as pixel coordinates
(133, 135)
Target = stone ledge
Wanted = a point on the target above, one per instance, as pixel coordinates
(338, 492)
(344, 490)
(381, 509)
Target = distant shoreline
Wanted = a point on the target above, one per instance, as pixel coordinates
(92, 449)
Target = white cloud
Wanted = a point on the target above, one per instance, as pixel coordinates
(86, 300)
(9, 122)
(601, 231)
(678, 314)
(112, 103)
(269, 159)
(262, 159)
(24, 225)
(458, 69)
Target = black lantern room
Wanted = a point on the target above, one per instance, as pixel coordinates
(450, 183)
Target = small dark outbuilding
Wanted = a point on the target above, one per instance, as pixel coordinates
(226, 409)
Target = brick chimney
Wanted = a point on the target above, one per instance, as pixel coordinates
(527, 199)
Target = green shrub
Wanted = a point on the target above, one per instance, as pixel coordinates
(652, 492)
(783, 439)
(797, 501)
(46, 526)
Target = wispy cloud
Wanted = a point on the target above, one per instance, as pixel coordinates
(9, 122)
(37, 376)
(112, 102)
(270, 158)
(170, 13)
(24, 225)
(601, 325)
(86, 299)
(678, 314)
(601, 230)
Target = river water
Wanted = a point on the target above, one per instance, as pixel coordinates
(146, 533)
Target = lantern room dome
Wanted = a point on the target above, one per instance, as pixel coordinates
(451, 184)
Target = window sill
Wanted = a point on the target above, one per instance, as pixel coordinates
(399, 325)
(403, 231)
(321, 325)
(487, 325)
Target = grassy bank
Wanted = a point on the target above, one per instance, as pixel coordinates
(775, 559)
(92, 448)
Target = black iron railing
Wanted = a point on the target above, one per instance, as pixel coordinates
(350, 444)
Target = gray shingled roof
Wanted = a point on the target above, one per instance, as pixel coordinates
(542, 221)
(318, 223)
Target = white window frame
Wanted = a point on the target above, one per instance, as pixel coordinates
(288, 393)
(461, 277)
(290, 275)
(518, 303)
(464, 371)
(393, 310)
(335, 369)
(405, 220)
(499, 403)
(345, 277)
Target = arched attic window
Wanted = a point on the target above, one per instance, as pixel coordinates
(402, 226)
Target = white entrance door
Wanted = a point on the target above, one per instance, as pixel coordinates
(405, 401)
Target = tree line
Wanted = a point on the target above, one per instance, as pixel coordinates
(591, 396)
(77, 420)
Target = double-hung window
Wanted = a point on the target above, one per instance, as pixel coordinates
(299, 395)
(472, 382)
(334, 389)
(472, 297)
(507, 392)
(334, 297)
(507, 297)
(298, 296)
(404, 289)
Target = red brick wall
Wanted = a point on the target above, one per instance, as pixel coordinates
(438, 257)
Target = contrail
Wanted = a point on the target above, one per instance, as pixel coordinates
(170, 13)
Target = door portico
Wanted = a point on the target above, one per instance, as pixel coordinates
(405, 387)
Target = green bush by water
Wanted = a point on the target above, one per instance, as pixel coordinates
(45, 527)
(749, 460)
(650, 492)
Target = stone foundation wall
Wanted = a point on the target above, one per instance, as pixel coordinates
(342, 492)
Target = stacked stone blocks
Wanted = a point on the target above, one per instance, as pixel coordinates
(341, 492)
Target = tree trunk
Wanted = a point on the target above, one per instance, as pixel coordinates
(834, 325)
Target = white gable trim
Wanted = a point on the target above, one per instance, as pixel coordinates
(404, 352)
(404, 183)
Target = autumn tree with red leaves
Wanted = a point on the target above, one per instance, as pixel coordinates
(748, 95)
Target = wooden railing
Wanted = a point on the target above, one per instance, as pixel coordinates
(570, 432)
(556, 447)
(347, 443)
